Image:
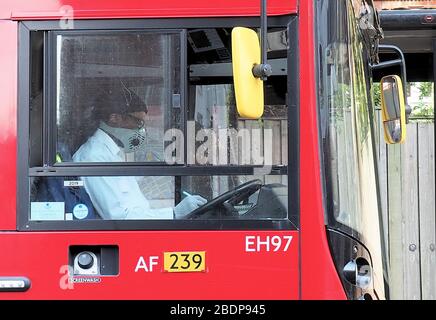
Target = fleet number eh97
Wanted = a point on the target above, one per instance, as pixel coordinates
(267, 243)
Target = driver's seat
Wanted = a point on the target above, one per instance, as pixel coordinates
(68, 190)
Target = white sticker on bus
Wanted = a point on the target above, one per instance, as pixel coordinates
(76, 183)
(45, 211)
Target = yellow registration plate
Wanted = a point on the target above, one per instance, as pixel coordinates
(192, 261)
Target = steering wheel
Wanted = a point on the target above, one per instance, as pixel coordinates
(228, 198)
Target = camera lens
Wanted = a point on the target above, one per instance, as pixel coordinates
(85, 260)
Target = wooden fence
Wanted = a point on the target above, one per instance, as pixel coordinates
(407, 181)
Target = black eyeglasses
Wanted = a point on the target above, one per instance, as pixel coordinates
(140, 122)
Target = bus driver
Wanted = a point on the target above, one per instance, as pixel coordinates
(121, 130)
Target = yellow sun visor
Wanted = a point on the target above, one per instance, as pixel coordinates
(248, 88)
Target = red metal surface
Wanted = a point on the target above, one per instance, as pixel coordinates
(85, 9)
(232, 273)
(8, 125)
(319, 278)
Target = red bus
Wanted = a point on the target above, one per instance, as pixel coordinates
(132, 170)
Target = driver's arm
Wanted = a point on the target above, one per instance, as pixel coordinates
(119, 198)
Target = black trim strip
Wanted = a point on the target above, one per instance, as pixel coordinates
(50, 99)
(161, 225)
(293, 101)
(23, 123)
(134, 170)
(173, 23)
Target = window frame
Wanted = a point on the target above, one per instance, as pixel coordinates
(51, 83)
(25, 172)
(353, 34)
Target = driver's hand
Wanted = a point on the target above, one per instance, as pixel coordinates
(187, 205)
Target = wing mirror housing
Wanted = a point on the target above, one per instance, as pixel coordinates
(393, 109)
(248, 88)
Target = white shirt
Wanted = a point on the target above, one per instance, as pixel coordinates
(115, 198)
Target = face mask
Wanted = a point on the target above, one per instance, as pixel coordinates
(132, 139)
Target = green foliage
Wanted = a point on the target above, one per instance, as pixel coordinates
(425, 89)
(376, 94)
(423, 109)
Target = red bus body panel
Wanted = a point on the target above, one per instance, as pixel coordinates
(8, 125)
(232, 272)
(84, 9)
(319, 277)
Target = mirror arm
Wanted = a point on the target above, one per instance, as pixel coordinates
(263, 70)
(264, 32)
(387, 64)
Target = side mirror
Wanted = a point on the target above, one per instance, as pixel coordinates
(393, 109)
(401, 62)
(248, 88)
